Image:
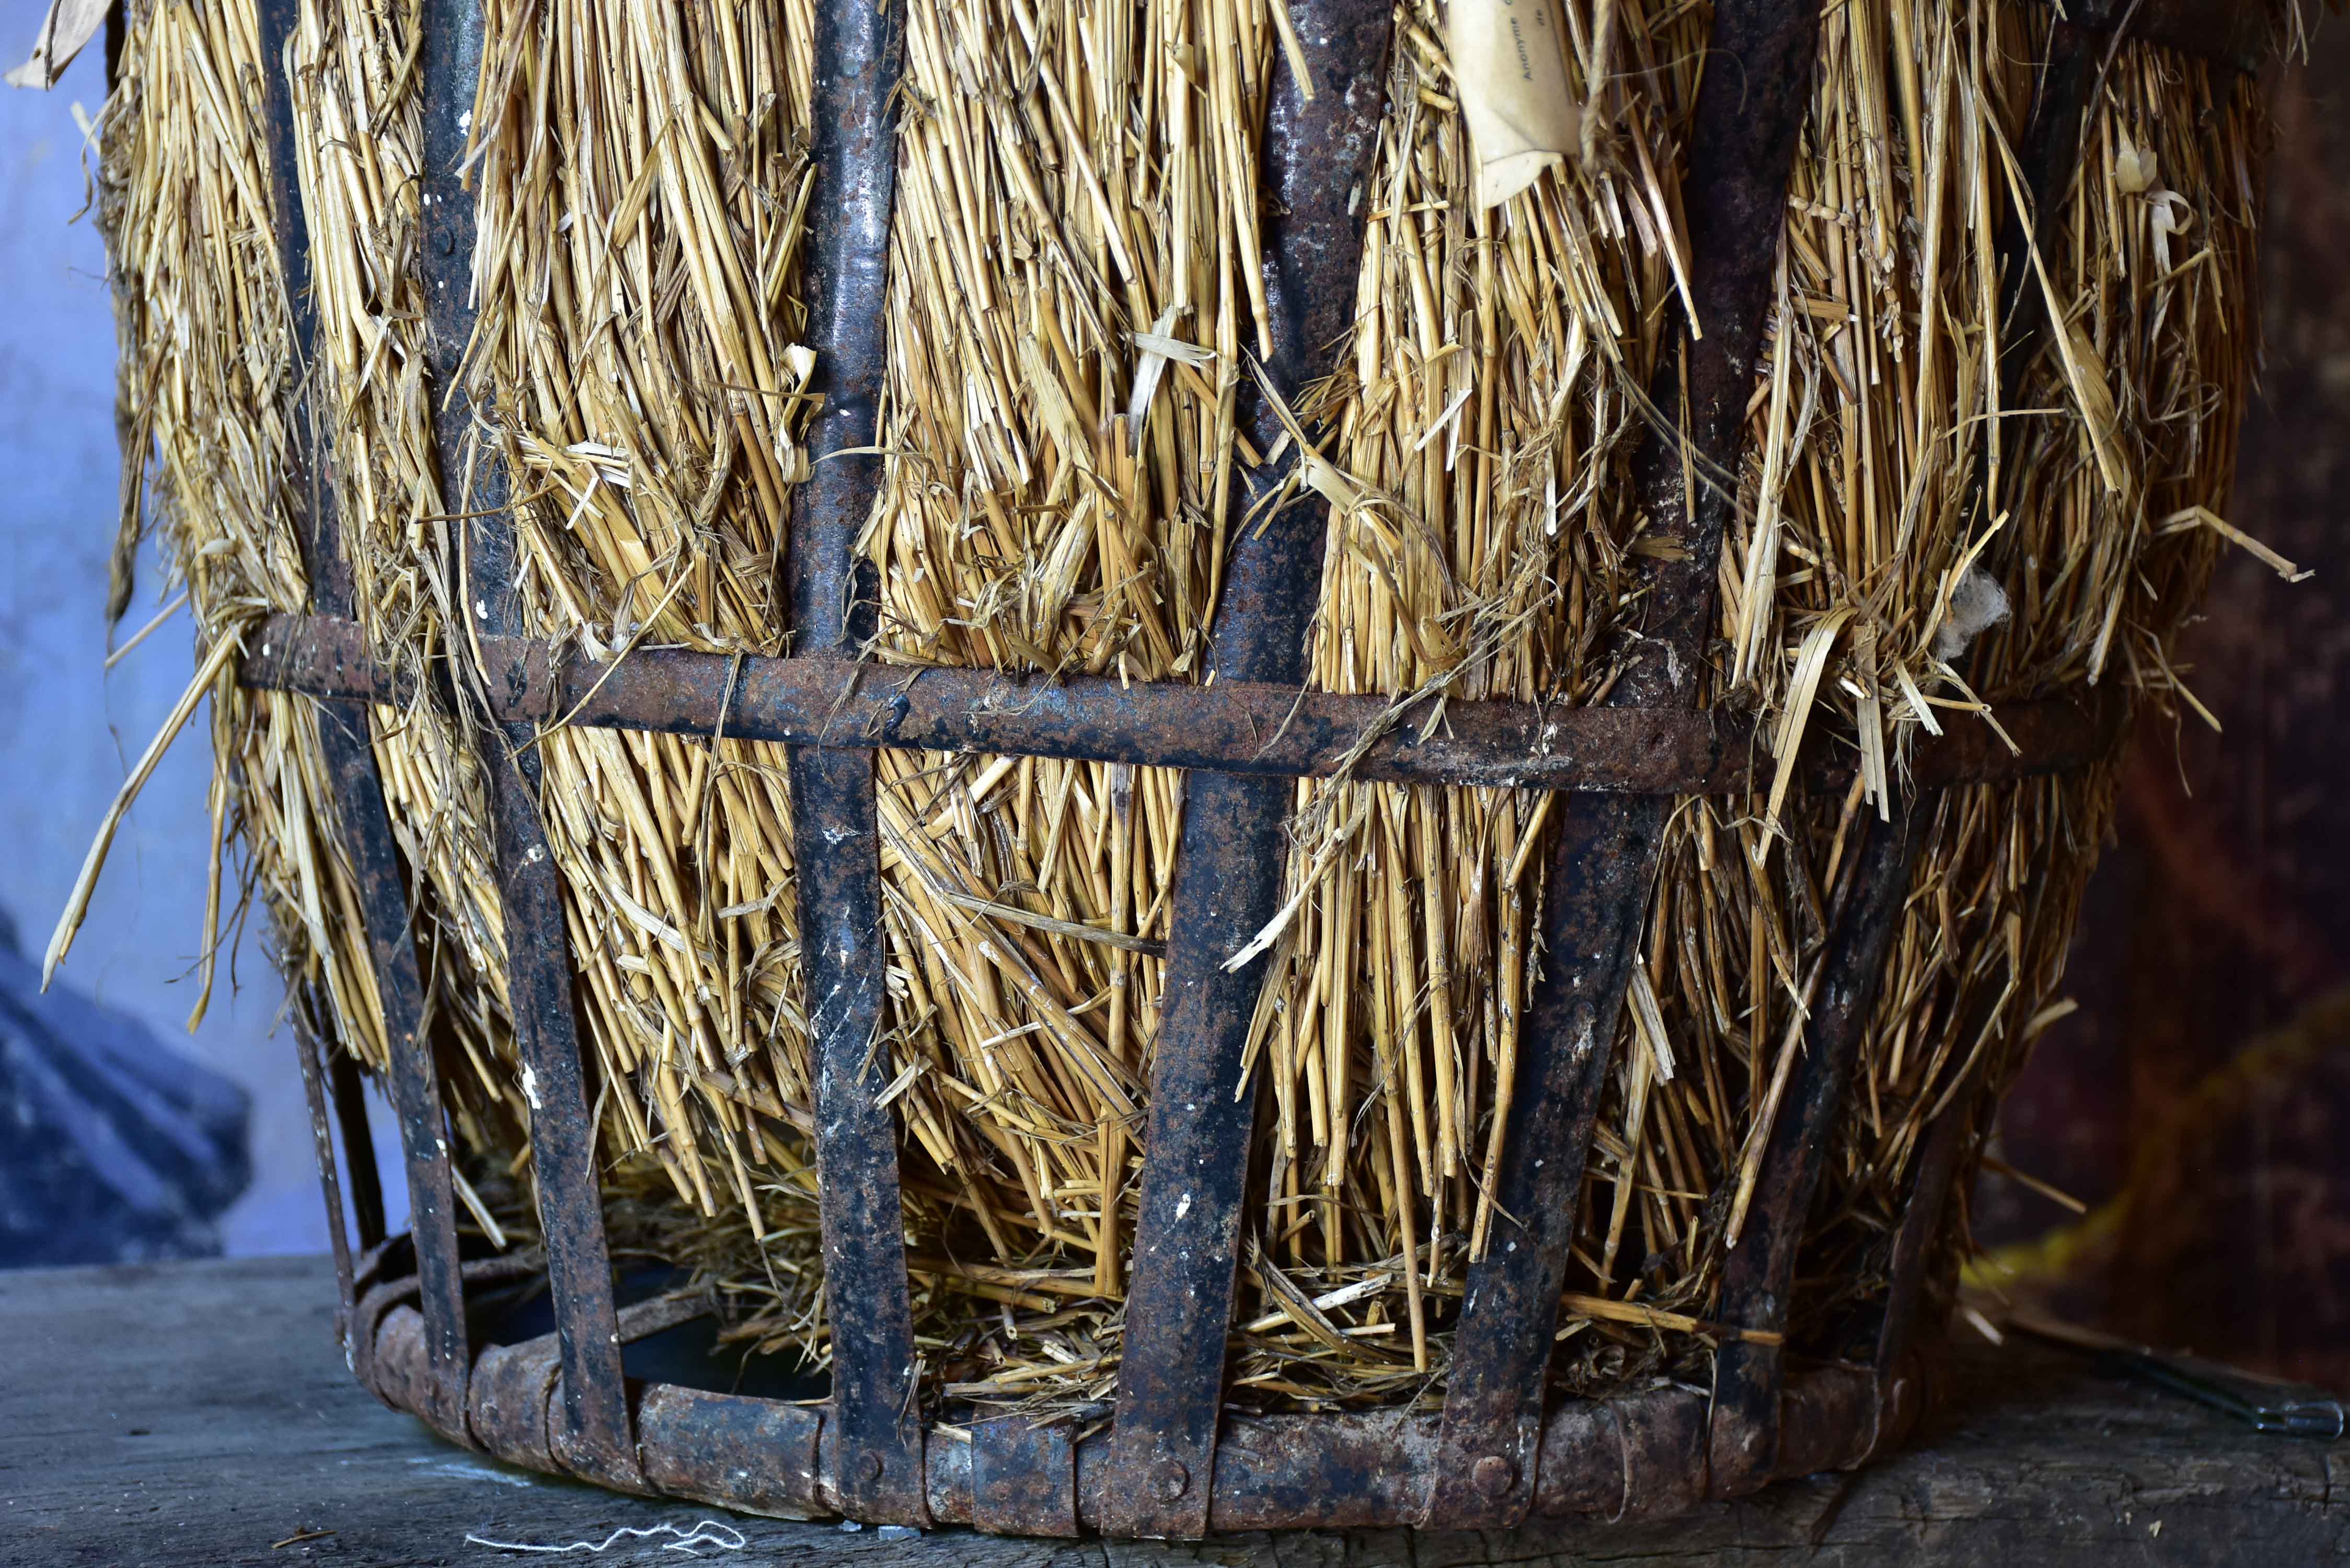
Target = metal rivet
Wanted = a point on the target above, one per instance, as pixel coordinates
(1494, 1476)
(868, 1468)
(1174, 1481)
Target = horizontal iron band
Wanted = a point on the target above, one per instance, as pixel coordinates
(1633, 1456)
(1233, 727)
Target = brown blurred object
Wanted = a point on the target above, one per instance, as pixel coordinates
(2200, 1100)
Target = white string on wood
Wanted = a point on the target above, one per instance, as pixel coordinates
(705, 1532)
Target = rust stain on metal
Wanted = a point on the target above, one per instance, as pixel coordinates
(1758, 1280)
(876, 1429)
(332, 1087)
(756, 1455)
(512, 1387)
(1229, 857)
(1635, 1456)
(1024, 1478)
(1221, 728)
(1603, 863)
(1663, 1454)
(593, 1431)
(380, 881)
(874, 1438)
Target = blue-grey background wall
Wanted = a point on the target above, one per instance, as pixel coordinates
(68, 729)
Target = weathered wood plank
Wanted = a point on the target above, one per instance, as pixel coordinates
(190, 1415)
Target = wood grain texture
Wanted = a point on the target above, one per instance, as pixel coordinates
(192, 1414)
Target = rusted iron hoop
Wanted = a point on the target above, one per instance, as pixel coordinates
(1631, 1456)
(1237, 727)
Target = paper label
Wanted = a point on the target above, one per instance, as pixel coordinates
(69, 24)
(1509, 61)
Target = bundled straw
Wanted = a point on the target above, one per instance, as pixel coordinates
(1074, 298)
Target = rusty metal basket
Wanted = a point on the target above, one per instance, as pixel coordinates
(1172, 1462)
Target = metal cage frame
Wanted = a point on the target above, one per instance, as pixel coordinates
(1172, 1463)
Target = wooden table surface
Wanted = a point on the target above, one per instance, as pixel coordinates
(197, 1414)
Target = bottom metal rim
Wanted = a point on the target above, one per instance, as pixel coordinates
(1637, 1455)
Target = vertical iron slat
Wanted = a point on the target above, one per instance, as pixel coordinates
(414, 1080)
(376, 874)
(875, 1435)
(1749, 118)
(1913, 1249)
(2072, 59)
(1882, 1338)
(2047, 154)
(1317, 156)
(594, 1436)
(339, 1089)
(348, 1095)
(308, 1047)
(1758, 1280)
